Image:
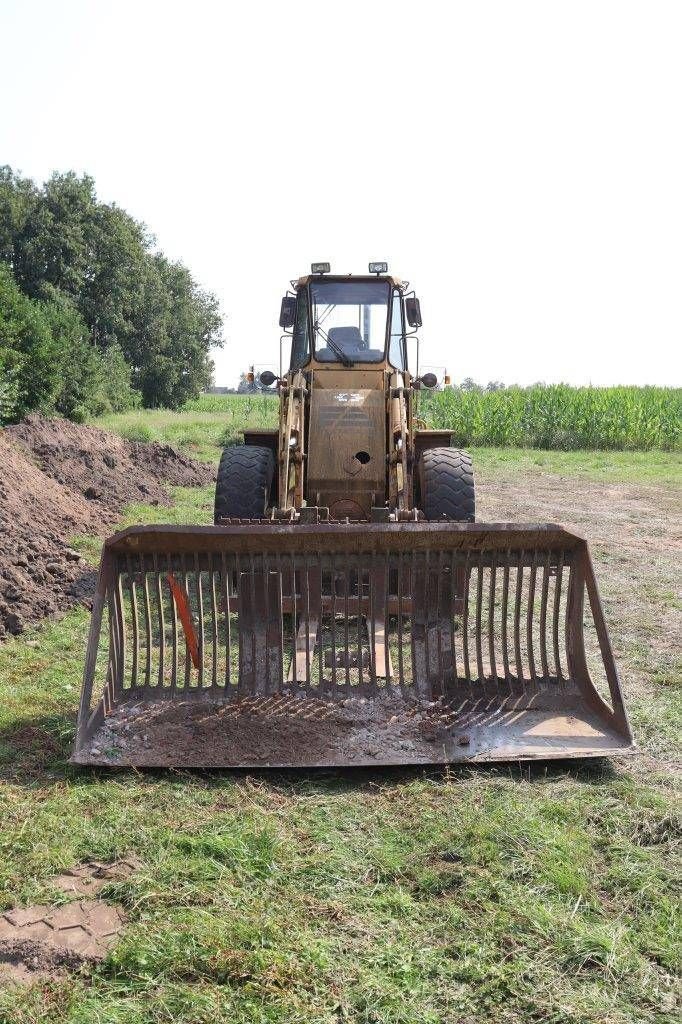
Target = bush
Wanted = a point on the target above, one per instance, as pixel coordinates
(9, 388)
(48, 363)
(28, 356)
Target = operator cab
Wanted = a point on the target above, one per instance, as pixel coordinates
(346, 321)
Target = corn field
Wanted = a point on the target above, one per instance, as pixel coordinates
(554, 416)
(560, 417)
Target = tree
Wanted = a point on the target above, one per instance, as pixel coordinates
(28, 354)
(176, 326)
(47, 362)
(93, 268)
(91, 382)
(18, 196)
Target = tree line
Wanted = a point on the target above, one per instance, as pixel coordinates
(93, 318)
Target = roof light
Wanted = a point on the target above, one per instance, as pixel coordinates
(378, 268)
(319, 268)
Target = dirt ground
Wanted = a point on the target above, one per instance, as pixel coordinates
(61, 479)
(634, 533)
(42, 941)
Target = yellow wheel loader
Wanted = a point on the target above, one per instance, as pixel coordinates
(346, 608)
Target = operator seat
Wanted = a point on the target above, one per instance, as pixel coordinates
(348, 339)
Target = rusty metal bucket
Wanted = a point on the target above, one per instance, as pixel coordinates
(288, 645)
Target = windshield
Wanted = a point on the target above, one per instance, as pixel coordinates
(349, 320)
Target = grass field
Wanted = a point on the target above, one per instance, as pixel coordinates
(545, 894)
(211, 421)
(554, 417)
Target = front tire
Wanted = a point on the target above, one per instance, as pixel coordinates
(244, 481)
(446, 483)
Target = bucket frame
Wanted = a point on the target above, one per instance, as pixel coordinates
(279, 644)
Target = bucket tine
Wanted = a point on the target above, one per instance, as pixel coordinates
(455, 609)
(132, 586)
(419, 628)
(465, 621)
(346, 624)
(332, 622)
(555, 616)
(543, 618)
(517, 617)
(491, 621)
(381, 656)
(227, 611)
(503, 617)
(529, 617)
(400, 575)
(174, 626)
(479, 621)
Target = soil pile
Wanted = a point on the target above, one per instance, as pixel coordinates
(103, 467)
(58, 479)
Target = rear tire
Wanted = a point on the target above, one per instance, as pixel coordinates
(243, 485)
(446, 482)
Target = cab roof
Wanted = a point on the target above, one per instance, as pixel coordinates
(396, 282)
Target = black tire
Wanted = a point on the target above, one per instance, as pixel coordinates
(242, 489)
(446, 482)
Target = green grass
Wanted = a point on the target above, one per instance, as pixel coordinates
(392, 896)
(202, 428)
(609, 467)
(555, 418)
(374, 897)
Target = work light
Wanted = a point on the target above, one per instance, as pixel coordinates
(378, 268)
(319, 268)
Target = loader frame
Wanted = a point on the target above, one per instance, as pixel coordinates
(340, 627)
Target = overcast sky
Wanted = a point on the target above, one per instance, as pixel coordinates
(519, 162)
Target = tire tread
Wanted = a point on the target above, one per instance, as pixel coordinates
(447, 485)
(243, 483)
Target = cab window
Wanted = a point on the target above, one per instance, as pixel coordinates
(300, 346)
(349, 320)
(396, 348)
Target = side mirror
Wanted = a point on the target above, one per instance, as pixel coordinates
(429, 380)
(267, 378)
(413, 311)
(287, 313)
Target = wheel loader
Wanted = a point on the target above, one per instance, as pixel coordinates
(346, 608)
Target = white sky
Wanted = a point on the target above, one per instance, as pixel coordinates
(519, 162)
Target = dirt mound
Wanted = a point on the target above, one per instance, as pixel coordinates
(39, 574)
(59, 479)
(104, 467)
